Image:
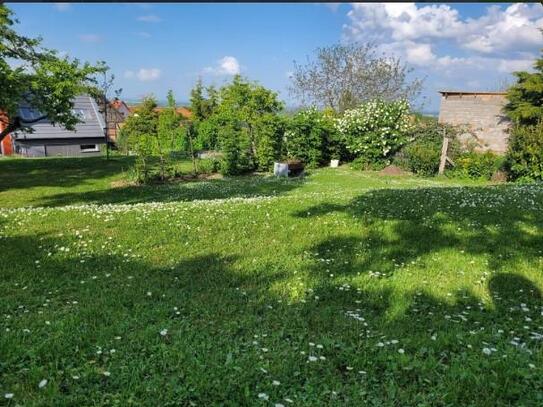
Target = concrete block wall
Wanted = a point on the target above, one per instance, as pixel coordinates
(481, 114)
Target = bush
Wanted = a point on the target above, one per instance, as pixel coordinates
(477, 165)
(235, 147)
(268, 134)
(363, 164)
(525, 153)
(312, 138)
(423, 154)
(376, 130)
(208, 166)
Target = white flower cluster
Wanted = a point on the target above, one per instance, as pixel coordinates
(375, 126)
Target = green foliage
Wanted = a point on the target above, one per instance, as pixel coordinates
(207, 133)
(203, 101)
(525, 153)
(525, 97)
(143, 121)
(40, 77)
(365, 164)
(209, 166)
(143, 146)
(312, 137)
(268, 130)
(422, 155)
(234, 160)
(376, 130)
(477, 165)
(243, 123)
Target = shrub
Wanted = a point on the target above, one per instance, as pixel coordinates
(269, 130)
(363, 164)
(423, 154)
(376, 130)
(235, 148)
(477, 165)
(208, 166)
(525, 153)
(312, 138)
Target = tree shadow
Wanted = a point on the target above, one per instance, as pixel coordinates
(58, 172)
(403, 225)
(221, 311)
(235, 187)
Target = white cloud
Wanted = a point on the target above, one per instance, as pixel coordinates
(62, 6)
(227, 65)
(150, 18)
(450, 50)
(144, 74)
(143, 34)
(515, 28)
(92, 38)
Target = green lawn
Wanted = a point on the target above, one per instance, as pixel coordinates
(341, 288)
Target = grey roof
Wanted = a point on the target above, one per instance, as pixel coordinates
(92, 125)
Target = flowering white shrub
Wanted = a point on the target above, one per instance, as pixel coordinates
(375, 130)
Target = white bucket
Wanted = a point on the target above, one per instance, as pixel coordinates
(334, 163)
(280, 169)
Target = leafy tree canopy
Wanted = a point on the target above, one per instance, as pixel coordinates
(40, 77)
(525, 97)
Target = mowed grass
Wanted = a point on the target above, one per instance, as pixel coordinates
(340, 288)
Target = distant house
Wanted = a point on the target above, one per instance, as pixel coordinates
(183, 111)
(480, 113)
(116, 113)
(47, 140)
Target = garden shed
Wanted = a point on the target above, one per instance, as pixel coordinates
(480, 113)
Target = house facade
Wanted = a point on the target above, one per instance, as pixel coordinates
(47, 140)
(480, 114)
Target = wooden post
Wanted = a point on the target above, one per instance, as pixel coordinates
(444, 149)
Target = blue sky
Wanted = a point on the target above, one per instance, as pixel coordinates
(155, 47)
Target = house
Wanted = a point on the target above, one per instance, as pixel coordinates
(480, 114)
(183, 111)
(116, 113)
(46, 140)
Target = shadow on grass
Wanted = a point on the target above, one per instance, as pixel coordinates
(213, 309)
(235, 187)
(400, 226)
(58, 172)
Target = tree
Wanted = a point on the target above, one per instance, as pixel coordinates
(343, 76)
(525, 97)
(246, 103)
(203, 101)
(169, 133)
(143, 121)
(39, 77)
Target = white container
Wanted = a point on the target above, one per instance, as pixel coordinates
(334, 163)
(280, 169)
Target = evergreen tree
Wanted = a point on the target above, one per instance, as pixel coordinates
(525, 97)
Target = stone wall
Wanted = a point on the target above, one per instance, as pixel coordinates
(481, 115)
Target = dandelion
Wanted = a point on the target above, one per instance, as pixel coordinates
(42, 384)
(401, 351)
(263, 396)
(9, 395)
(163, 332)
(106, 373)
(487, 351)
(276, 382)
(312, 358)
